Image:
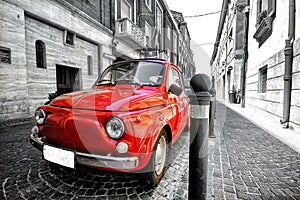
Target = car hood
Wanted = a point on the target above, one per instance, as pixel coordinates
(114, 98)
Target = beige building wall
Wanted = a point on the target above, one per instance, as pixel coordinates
(271, 54)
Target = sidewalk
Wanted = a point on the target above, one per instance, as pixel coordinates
(287, 136)
(247, 162)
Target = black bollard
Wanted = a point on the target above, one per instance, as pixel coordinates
(198, 155)
(212, 113)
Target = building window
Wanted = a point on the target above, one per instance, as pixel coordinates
(262, 82)
(159, 25)
(148, 34)
(69, 38)
(5, 55)
(266, 11)
(168, 32)
(168, 55)
(90, 65)
(159, 17)
(126, 9)
(40, 50)
(149, 4)
(175, 46)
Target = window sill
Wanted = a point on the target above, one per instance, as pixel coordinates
(69, 45)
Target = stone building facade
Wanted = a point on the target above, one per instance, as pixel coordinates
(228, 55)
(270, 60)
(63, 45)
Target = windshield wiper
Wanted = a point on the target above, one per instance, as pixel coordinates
(138, 83)
(127, 81)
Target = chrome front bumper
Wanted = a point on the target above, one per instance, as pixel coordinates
(117, 163)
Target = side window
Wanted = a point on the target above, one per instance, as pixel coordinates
(174, 78)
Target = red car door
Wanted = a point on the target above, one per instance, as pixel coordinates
(179, 103)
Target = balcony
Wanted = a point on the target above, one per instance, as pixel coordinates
(128, 31)
(263, 30)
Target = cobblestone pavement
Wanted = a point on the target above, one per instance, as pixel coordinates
(245, 162)
(25, 175)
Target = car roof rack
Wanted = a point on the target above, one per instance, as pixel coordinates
(161, 59)
(142, 59)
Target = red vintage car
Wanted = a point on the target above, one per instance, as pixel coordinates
(125, 122)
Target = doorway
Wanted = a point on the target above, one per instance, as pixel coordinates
(68, 79)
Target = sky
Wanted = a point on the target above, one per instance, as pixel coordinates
(203, 30)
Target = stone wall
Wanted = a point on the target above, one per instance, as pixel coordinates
(295, 101)
(43, 81)
(13, 76)
(23, 86)
(271, 54)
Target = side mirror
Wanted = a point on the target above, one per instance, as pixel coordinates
(175, 90)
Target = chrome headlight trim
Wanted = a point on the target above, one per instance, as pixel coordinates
(40, 116)
(115, 128)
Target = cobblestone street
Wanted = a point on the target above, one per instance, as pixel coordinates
(245, 162)
(24, 175)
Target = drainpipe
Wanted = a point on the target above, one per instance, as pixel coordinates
(288, 52)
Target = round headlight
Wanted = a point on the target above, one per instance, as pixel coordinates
(115, 127)
(40, 116)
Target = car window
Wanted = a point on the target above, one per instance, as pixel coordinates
(174, 78)
(144, 73)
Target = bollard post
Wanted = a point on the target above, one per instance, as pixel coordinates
(198, 154)
(212, 113)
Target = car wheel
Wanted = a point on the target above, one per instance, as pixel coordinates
(158, 159)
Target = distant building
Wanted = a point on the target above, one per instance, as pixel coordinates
(185, 58)
(266, 49)
(64, 45)
(229, 51)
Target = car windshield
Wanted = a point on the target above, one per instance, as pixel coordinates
(141, 73)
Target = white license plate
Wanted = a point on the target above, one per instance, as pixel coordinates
(59, 156)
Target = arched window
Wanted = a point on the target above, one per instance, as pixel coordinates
(90, 65)
(40, 50)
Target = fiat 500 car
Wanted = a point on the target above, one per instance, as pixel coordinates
(126, 122)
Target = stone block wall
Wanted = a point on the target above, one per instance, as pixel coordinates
(43, 81)
(23, 86)
(271, 102)
(295, 101)
(13, 75)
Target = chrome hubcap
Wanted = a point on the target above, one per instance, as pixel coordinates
(160, 155)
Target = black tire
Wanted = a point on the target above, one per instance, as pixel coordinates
(157, 163)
